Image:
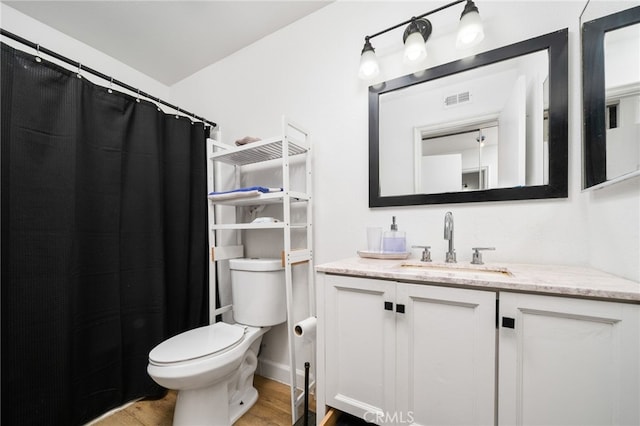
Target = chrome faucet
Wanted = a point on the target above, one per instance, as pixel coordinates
(448, 235)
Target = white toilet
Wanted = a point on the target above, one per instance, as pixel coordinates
(212, 367)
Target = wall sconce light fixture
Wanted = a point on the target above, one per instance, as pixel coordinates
(470, 33)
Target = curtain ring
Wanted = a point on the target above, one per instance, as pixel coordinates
(177, 112)
(38, 58)
(138, 97)
(158, 106)
(110, 85)
(79, 70)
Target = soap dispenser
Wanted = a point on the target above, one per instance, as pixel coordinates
(394, 241)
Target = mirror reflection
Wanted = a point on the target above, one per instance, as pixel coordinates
(475, 130)
(489, 127)
(622, 100)
(611, 92)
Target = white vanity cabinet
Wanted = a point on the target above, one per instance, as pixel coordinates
(566, 361)
(562, 346)
(360, 345)
(398, 353)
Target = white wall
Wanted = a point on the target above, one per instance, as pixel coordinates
(614, 211)
(32, 30)
(622, 56)
(308, 71)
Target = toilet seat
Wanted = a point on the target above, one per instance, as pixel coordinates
(198, 343)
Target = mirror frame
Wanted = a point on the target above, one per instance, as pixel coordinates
(593, 92)
(557, 45)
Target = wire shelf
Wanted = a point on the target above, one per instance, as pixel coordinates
(256, 152)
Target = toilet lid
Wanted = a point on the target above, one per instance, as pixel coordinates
(197, 343)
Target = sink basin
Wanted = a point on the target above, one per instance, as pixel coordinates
(456, 268)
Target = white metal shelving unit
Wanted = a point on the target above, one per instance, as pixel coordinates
(294, 141)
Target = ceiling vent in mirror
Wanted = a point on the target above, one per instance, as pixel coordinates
(457, 99)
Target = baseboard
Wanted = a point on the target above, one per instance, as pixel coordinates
(280, 373)
(112, 411)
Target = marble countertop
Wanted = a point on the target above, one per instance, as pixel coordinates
(543, 279)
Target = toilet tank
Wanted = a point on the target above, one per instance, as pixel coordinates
(258, 291)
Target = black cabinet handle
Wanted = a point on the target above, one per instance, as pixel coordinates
(388, 306)
(508, 322)
(400, 308)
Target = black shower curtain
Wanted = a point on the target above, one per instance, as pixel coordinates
(104, 250)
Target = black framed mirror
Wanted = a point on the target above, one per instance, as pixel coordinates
(411, 159)
(611, 90)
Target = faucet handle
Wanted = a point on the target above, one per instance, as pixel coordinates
(426, 254)
(477, 256)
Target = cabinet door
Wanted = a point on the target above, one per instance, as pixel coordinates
(360, 345)
(568, 361)
(446, 356)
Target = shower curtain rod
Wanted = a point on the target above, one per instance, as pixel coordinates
(40, 49)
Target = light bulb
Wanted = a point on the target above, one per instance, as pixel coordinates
(415, 48)
(369, 67)
(470, 30)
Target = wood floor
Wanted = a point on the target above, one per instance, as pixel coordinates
(272, 409)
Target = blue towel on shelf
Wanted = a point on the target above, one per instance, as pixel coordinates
(248, 189)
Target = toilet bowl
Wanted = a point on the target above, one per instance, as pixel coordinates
(212, 367)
